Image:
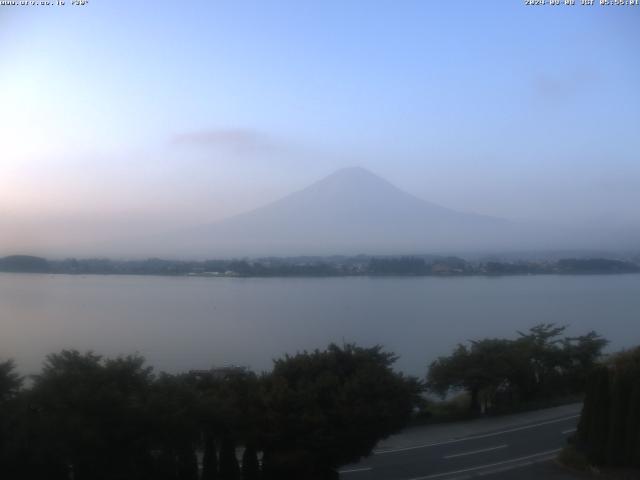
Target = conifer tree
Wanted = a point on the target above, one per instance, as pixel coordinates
(632, 441)
(167, 465)
(209, 459)
(229, 468)
(618, 416)
(187, 464)
(598, 425)
(250, 466)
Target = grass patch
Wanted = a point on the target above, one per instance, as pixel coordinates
(457, 408)
(453, 409)
(538, 404)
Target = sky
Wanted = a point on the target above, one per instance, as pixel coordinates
(123, 118)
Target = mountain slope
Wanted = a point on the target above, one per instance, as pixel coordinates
(350, 211)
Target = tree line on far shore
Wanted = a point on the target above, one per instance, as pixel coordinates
(360, 265)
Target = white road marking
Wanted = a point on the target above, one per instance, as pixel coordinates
(516, 465)
(456, 455)
(474, 437)
(571, 430)
(489, 465)
(355, 470)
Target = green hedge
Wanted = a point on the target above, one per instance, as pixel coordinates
(609, 429)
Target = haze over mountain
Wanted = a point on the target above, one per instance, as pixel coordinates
(350, 211)
(243, 103)
(354, 211)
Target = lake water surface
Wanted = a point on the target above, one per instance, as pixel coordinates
(180, 323)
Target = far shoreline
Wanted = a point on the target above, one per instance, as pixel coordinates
(367, 276)
(323, 267)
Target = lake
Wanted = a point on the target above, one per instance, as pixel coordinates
(181, 323)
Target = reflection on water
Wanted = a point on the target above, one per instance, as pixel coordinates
(183, 323)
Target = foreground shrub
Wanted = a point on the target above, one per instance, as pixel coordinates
(609, 428)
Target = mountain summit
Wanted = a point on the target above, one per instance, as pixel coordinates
(350, 211)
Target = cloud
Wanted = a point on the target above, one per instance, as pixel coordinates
(234, 140)
(564, 86)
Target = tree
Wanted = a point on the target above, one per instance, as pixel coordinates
(174, 424)
(229, 468)
(581, 355)
(537, 364)
(398, 266)
(608, 430)
(328, 408)
(24, 263)
(453, 372)
(482, 369)
(542, 346)
(231, 410)
(89, 413)
(10, 385)
(250, 465)
(209, 458)
(595, 427)
(187, 463)
(89, 417)
(10, 381)
(632, 442)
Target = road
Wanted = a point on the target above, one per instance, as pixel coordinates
(490, 449)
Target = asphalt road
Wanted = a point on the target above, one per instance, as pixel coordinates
(489, 454)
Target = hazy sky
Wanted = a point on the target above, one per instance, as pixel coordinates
(121, 117)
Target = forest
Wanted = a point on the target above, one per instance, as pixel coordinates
(333, 266)
(85, 417)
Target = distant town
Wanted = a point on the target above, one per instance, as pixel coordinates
(334, 266)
